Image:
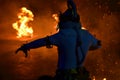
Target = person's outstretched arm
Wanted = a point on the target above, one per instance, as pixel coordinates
(46, 41)
(34, 44)
(95, 43)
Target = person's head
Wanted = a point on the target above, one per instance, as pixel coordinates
(68, 15)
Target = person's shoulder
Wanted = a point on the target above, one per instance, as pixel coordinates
(85, 32)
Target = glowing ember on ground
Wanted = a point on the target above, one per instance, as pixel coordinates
(104, 79)
(95, 78)
(22, 27)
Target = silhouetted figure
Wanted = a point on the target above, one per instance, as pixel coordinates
(73, 44)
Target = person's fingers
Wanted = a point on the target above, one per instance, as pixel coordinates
(23, 49)
(25, 52)
(17, 50)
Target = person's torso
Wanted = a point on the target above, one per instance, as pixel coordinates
(66, 49)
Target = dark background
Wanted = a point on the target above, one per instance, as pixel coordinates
(100, 17)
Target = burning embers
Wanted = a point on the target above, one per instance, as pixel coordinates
(21, 25)
(95, 79)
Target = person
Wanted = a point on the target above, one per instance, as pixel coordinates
(72, 42)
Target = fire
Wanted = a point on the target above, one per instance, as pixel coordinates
(55, 16)
(22, 27)
(95, 79)
(84, 28)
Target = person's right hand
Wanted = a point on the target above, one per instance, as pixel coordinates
(99, 43)
(24, 49)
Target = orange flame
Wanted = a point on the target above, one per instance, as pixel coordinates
(23, 30)
(95, 79)
(55, 16)
(83, 28)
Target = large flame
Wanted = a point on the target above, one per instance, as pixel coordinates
(22, 27)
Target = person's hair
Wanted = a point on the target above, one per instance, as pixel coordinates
(68, 16)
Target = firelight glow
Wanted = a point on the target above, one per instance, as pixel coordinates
(104, 79)
(55, 16)
(21, 25)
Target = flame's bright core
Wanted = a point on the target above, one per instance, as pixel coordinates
(55, 16)
(22, 27)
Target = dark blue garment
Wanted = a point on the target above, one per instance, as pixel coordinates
(66, 41)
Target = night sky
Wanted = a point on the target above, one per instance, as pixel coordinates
(100, 17)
